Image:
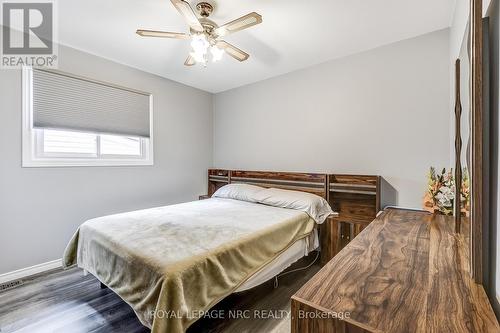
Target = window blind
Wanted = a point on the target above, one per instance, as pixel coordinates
(63, 101)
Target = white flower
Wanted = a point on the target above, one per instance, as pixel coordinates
(445, 196)
(447, 192)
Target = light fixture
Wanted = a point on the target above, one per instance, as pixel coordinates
(216, 53)
(200, 44)
(205, 34)
(198, 57)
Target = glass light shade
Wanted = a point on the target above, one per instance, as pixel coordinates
(200, 44)
(217, 53)
(198, 57)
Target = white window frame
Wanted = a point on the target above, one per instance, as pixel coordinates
(31, 153)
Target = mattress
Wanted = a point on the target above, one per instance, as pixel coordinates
(298, 250)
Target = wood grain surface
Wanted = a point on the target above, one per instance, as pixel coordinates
(406, 272)
(315, 183)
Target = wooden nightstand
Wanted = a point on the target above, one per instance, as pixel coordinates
(357, 200)
(203, 197)
(328, 233)
(335, 234)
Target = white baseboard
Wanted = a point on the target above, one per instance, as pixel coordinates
(29, 271)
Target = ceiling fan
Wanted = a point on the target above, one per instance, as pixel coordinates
(205, 34)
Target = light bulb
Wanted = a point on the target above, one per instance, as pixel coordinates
(216, 53)
(200, 44)
(198, 57)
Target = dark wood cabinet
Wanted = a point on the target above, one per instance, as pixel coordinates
(346, 233)
(355, 198)
(335, 234)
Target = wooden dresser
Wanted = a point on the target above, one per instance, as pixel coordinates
(406, 272)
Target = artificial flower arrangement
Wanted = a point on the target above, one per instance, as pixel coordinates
(440, 195)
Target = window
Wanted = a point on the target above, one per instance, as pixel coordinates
(120, 137)
(120, 145)
(61, 144)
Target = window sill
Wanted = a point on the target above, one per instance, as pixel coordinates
(82, 162)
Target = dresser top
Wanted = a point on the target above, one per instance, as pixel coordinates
(406, 272)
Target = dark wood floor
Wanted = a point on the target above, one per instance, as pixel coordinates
(66, 301)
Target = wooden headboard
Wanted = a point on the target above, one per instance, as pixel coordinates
(306, 182)
(355, 197)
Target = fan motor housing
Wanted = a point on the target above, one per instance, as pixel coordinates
(204, 8)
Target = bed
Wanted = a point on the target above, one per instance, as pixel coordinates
(173, 263)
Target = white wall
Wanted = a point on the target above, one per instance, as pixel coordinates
(384, 112)
(40, 208)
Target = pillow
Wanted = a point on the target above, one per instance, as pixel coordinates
(315, 206)
(243, 192)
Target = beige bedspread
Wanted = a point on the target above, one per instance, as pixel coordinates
(172, 263)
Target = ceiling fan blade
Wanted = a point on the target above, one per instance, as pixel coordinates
(239, 24)
(187, 12)
(163, 34)
(189, 61)
(233, 51)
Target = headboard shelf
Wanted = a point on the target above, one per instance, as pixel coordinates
(353, 191)
(355, 197)
(218, 172)
(307, 182)
(219, 179)
(305, 186)
(270, 181)
(352, 185)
